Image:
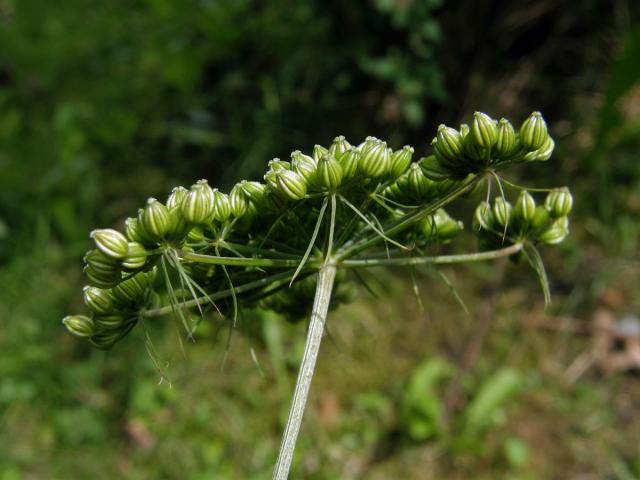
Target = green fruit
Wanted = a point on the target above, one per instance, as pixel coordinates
(305, 166)
(291, 185)
(197, 204)
(110, 322)
(318, 152)
(525, 208)
(533, 132)
(349, 163)
(416, 184)
(277, 164)
(559, 202)
(134, 231)
(375, 159)
(432, 169)
(483, 217)
(97, 299)
(132, 289)
(541, 219)
(102, 279)
(556, 233)
(502, 212)
(448, 146)
(155, 220)
(483, 130)
(79, 325)
(339, 146)
(221, 206)
(329, 172)
(506, 139)
(542, 154)
(102, 264)
(136, 257)
(177, 197)
(238, 202)
(400, 161)
(110, 242)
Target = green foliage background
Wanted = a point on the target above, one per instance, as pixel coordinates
(103, 104)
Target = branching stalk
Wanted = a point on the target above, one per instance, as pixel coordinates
(326, 278)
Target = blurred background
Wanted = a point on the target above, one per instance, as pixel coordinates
(103, 104)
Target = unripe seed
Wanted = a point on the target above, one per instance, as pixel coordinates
(525, 208)
(177, 197)
(97, 299)
(111, 242)
(277, 164)
(238, 202)
(179, 225)
(136, 257)
(195, 235)
(109, 322)
(349, 163)
(448, 145)
(541, 219)
(155, 220)
(101, 263)
(79, 325)
(542, 154)
(375, 159)
(197, 204)
(506, 141)
(339, 146)
(483, 217)
(102, 279)
(556, 233)
(533, 132)
(221, 206)
(318, 152)
(433, 169)
(291, 185)
(134, 231)
(329, 172)
(483, 130)
(559, 202)
(400, 161)
(417, 184)
(502, 212)
(305, 166)
(446, 227)
(131, 289)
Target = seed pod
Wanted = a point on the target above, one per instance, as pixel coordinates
(432, 169)
(375, 159)
(506, 141)
(329, 172)
(339, 146)
(179, 225)
(110, 322)
(106, 339)
(400, 161)
(349, 162)
(134, 231)
(541, 219)
(197, 204)
(277, 164)
(195, 235)
(136, 258)
(395, 191)
(417, 185)
(131, 289)
(446, 228)
(253, 191)
(97, 299)
(318, 152)
(101, 263)
(155, 220)
(502, 212)
(221, 206)
(176, 198)
(111, 242)
(483, 217)
(483, 130)
(291, 185)
(542, 154)
(525, 208)
(448, 146)
(533, 132)
(79, 325)
(303, 165)
(556, 233)
(238, 202)
(559, 202)
(102, 279)
(472, 150)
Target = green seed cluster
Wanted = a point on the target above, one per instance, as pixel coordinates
(487, 143)
(340, 195)
(547, 223)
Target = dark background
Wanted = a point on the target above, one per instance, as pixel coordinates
(103, 104)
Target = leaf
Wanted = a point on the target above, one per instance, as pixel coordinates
(532, 255)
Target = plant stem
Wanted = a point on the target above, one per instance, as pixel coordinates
(326, 277)
(240, 261)
(437, 260)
